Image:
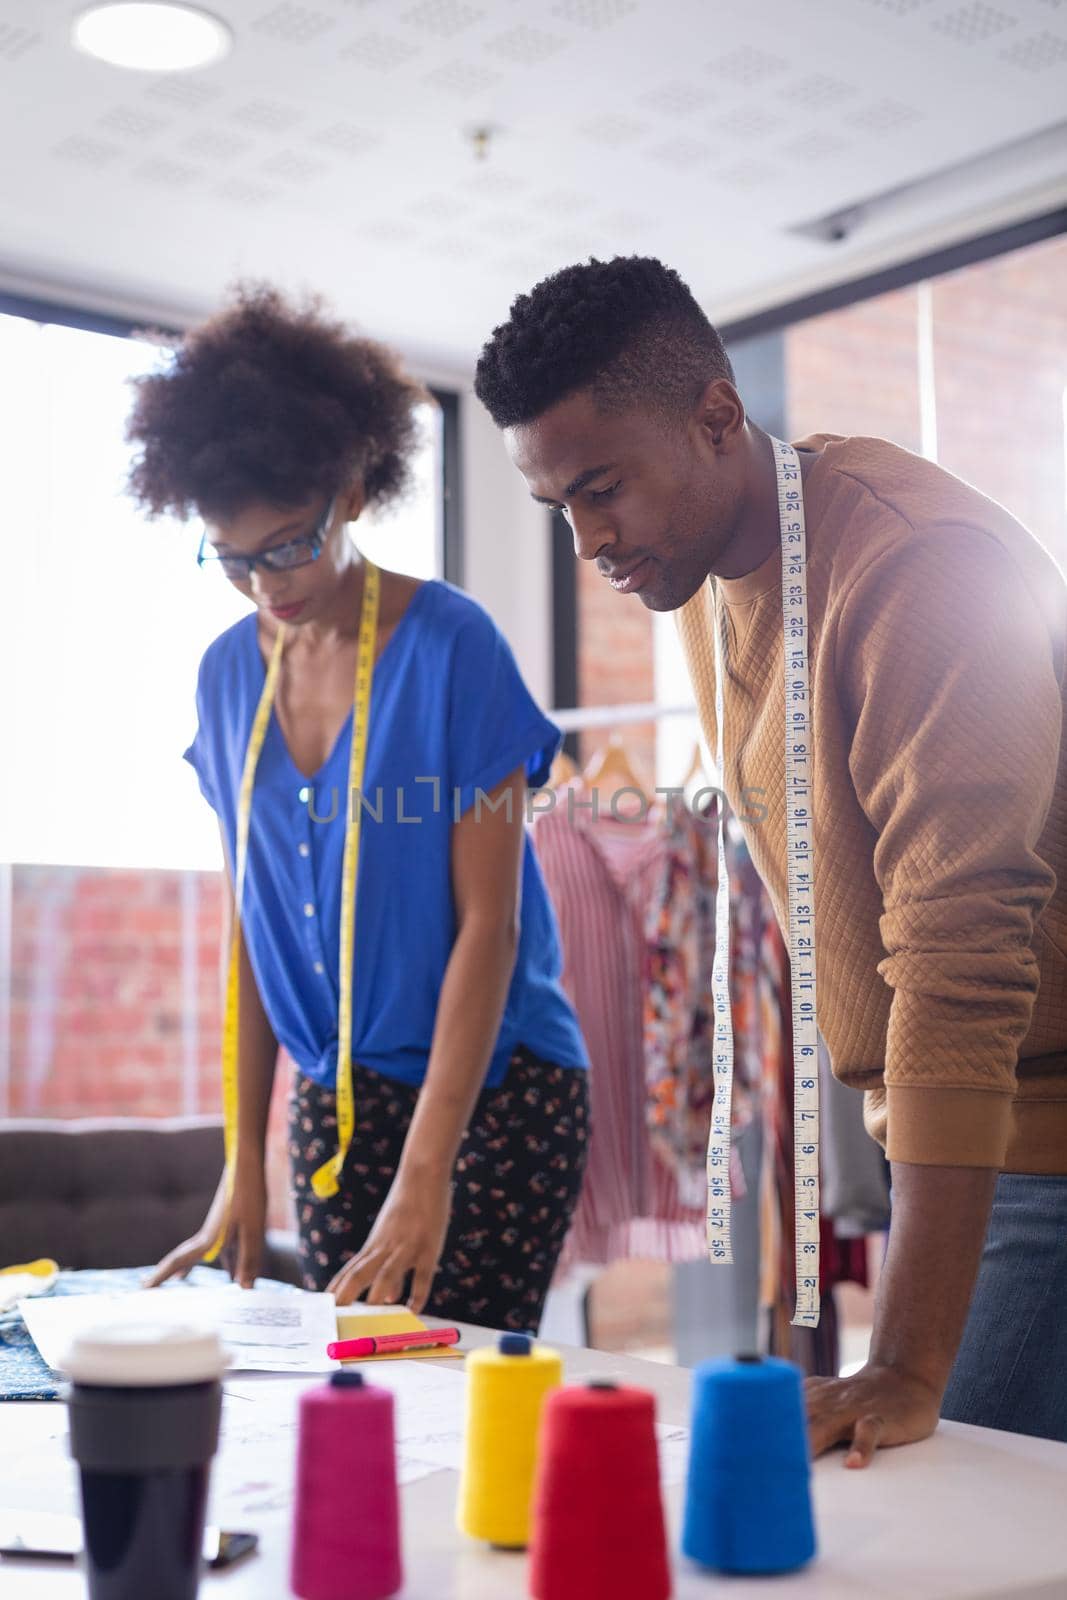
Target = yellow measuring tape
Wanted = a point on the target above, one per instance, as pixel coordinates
(326, 1180)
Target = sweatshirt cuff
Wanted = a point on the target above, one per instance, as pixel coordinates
(948, 1127)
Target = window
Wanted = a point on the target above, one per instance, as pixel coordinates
(108, 614)
(408, 537)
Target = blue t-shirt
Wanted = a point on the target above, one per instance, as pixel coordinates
(448, 708)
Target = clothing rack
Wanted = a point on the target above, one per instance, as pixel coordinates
(575, 719)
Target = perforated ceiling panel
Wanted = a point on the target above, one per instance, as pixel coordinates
(974, 22)
(380, 52)
(295, 24)
(683, 154)
(899, 8)
(422, 161)
(246, 192)
(750, 122)
(527, 46)
(190, 94)
(881, 116)
(216, 144)
(16, 41)
(611, 127)
(346, 138)
(443, 18)
(819, 92)
(1038, 53)
(594, 14)
(748, 66)
(168, 174)
(266, 116)
(86, 152)
(678, 99)
(132, 122)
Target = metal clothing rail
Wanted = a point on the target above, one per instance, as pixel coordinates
(577, 718)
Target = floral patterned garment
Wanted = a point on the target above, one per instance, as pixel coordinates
(603, 871)
(636, 906)
(516, 1181)
(679, 1010)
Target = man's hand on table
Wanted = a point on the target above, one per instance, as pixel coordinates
(875, 1407)
(940, 1217)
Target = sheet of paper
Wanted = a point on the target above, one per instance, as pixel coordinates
(430, 1418)
(253, 1476)
(265, 1330)
(429, 1412)
(673, 1446)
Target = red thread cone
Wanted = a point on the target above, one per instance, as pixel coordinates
(598, 1530)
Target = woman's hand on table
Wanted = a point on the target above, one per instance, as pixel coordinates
(245, 1224)
(875, 1407)
(408, 1236)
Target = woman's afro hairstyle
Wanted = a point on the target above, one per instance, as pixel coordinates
(271, 402)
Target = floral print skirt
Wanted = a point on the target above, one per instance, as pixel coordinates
(516, 1183)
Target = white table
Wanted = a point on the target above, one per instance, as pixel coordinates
(969, 1515)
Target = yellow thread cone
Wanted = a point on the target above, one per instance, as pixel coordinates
(506, 1389)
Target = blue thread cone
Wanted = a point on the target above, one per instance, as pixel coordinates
(748, 1492)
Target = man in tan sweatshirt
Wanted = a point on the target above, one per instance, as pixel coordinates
(938, 630)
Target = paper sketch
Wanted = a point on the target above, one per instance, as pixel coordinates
(265, 1330)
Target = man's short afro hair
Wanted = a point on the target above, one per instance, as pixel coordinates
(628, 328)
(271, 402)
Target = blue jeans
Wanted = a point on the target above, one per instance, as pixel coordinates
(1011, 1370)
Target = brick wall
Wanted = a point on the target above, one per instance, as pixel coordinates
(856, 371)
(1000, 372)
(1000, 363)
(615, 666)
(115, 1003)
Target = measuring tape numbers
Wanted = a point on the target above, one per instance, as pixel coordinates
(800, 854)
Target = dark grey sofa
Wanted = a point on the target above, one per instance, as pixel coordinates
(113, 1192)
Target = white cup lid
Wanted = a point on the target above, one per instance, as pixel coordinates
(144, 1355)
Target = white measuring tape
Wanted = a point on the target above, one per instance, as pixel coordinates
(801, 886)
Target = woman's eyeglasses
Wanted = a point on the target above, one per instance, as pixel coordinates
(279, 558)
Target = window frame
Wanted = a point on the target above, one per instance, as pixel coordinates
(450, 508)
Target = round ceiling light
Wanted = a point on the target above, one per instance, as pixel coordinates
(151, 37)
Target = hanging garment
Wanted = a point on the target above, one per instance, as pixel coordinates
(603, 875)
(636, 905)
(679, 1010)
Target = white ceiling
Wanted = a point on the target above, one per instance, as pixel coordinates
(331, 149)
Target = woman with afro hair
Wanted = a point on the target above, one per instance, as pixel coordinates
(361, 728)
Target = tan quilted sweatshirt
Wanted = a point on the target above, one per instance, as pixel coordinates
(938, 679)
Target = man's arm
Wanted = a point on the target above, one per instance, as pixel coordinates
(940, 1216)
(946, 663)
(946, 666)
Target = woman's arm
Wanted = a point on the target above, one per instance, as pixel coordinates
(486, 876)
(257, 1054)
(408, 1236)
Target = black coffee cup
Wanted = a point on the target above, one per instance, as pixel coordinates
(144, 1403)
